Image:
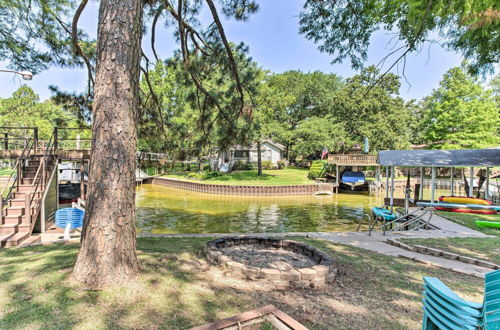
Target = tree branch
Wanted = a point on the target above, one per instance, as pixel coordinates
(410, 46)
(229, 52)
(76, 45)
(153, 29)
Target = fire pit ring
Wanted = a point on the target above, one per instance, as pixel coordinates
(309, 267)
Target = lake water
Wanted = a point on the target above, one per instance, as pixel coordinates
(168, 210)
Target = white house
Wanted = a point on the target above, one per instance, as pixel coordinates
(270, 151)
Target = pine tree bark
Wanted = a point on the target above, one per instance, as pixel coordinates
(107, 253)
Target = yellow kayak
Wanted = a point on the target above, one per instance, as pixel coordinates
(463, 200)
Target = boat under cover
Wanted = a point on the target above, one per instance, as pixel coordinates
(353, 179)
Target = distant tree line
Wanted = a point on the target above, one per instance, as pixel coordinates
(306, 112)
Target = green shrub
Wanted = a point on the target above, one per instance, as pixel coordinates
(250, 166)
(267, 165)
(318, 169)
(206, 167)
(281, 164)
(303, 163)
(210, 174)
(195, 175)
(240, 165)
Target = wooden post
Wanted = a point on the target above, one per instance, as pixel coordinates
(392, 188)
(487, 188)
(27, 208)
(337, 174)
(471, 182)
(35, 138)
(433, 184)
(387, 182)
(78, 142)
(6, 141)
(56, 177)
(453, 181)
(82, 179)
(42, 215)
(421, 188)
(19, 172)
(1, 209)
(43, 174)
(55, 139)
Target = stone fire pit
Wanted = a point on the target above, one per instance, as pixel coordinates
(282, 262)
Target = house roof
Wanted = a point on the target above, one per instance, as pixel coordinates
(278, 145)
(254, 146)
(440, 158)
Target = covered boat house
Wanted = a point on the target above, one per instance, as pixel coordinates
(472, 158)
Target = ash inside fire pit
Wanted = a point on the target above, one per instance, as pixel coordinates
(287, 264)
(256, 256)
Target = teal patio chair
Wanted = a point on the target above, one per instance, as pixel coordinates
(444, 309)
(491, 309)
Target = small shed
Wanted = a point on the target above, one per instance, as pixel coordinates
(472, 158)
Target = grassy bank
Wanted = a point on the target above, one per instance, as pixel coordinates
(6, 171)
(288, 176)
(482, 248)
(177, 290)
(469, 220)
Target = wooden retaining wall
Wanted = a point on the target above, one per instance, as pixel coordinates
(244, 190)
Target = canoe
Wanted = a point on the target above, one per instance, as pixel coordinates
(463, 210)
(468, 205)
(488, 224)
(461, 206)
(464, 200)
(383, 213)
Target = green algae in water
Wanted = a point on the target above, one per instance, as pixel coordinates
(168, 210)
(164, 210)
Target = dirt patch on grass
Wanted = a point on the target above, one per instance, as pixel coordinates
(256, 256)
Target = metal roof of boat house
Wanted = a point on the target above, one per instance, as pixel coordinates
(440, 158)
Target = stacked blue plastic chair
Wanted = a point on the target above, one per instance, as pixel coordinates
(444, 309)
(69, 218)
(491, 309)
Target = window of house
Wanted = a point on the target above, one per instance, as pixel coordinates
(241, 154)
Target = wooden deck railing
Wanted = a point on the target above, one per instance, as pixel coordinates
(353, 160)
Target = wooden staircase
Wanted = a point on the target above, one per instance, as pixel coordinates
(21, 207)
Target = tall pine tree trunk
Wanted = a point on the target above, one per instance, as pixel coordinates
(107, 253)
(259, 159)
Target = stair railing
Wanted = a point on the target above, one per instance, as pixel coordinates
(15, 177)
(32, 202)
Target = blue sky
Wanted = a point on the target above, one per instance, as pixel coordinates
(274, 41)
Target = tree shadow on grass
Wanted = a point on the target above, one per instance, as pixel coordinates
(177, 289)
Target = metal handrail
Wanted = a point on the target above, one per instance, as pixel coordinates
(361, 220)
(413, 220)
(372, 223)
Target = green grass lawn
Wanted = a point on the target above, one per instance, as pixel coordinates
(177, 289)
(469, 220)
(288, 176)
(5, 171)
(481, 248)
